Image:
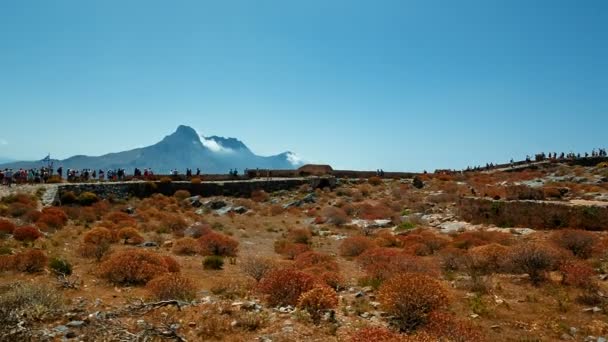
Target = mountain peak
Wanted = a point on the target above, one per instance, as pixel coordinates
(186, 132)
(227, 143)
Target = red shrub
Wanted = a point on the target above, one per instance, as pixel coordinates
(172, 264)
(313, 259)
(317, 301)
(445, 326)
(472, 239)
(577, 273)
(487, 259)
(133, 266)
(218, 244)
(52, 218)
(6, 227)
(120, 219)
(7, 263)
(26, 233)
(284, 286)
(334, 215)
(410, 298)
(30, 261)
(431, 242)
(171, 287)
(579, 242)
(355, 245)
(373, 212)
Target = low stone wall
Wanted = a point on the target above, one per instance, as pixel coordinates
(241, 188)
(533, 214)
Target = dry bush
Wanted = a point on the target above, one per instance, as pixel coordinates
(133, 266)
(87, 198)
(577, 273)
(445, 326)
(7, 263)
(171, 286)
(196, 180)
(175, 223)
(410, 298)
(534, 259)
(452, 259)
(198, 229)
(374, 180)
(6, 227)
(26, 234)
(387, 239)
(470, 239)
(99, 235)
(523, 192)
(487, 259)
(120, 219)
(383, 263)
(284, 286)
(172, 264)
(579, 242)
(259, 196)
(367, 211)
(312, 258)
(355, 245)
(218, 244)
(275, 210)
(94, 250)
(289, 249)
(257, 267)
(334, 215)
(185, 246)
(181, 195)
(130, 236)
(431, 241)
(30, 261)
(232, 287)
(317, 301)
(25, 303)
(299, 235)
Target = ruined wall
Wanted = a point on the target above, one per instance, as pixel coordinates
(229, 188)
(533, 214)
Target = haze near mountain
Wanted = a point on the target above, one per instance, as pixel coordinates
(182, 149)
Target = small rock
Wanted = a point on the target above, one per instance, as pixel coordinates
(367, 289)
(594, 309)
(365, 315)
(70, 334)
(192, 324)
(565, 337)
(61, 329)
(573, 331)
(149, 244)
(75, 324)
(234, 323)
(359, 294)
(474, 316)
(168, 244)
(129, 210)
(374, 304)
(601, 339)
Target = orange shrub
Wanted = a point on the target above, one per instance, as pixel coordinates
(387, 239)
(284, 286)
(173, 223)
(259, 196)
(579, 242)
(470, 239)
(171, 286)
(384, 263)
(94, 250)
(299, 235)
(317, 301)
(367, 211)
(577, 273)
(312, 259)
(289, 249)
(99, 235)
(172, 264)
(181, 194)
(488, 258)
(131, 236)
(218, 244)
(30, 261)
(120, 219)
(52, 218)
(7, 262)
(355, 245)
(430, 242)
(452, 258)
(185, 246)
(133, 266)
(410, 298)
(6, 227)
(26, 233)
(445, 326)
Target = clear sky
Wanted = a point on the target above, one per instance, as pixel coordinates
(398, 85)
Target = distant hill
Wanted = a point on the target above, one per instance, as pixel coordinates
(182, 149)
(5, 160)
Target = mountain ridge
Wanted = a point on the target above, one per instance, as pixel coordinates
(182, 149)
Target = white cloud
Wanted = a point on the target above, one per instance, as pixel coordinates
(214, 146)
(3, 142)
(294, 159)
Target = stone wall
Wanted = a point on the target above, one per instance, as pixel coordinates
(242, 188)
(533, 214)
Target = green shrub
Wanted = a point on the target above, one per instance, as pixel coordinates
(68, 197)
(60, 266)
(213, 262)
(87, 198)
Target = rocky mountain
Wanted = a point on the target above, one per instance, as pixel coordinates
(182, 149)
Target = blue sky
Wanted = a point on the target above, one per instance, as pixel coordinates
(398, 85)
